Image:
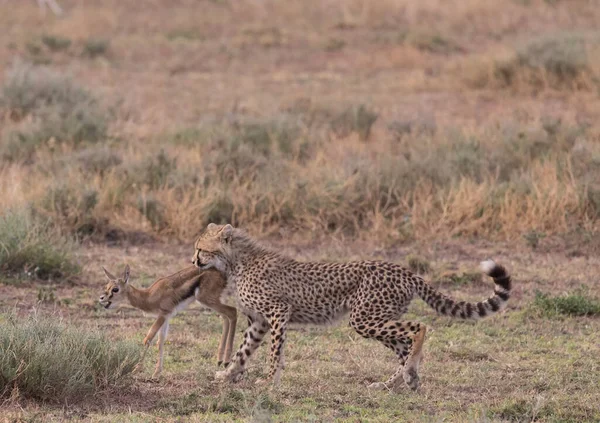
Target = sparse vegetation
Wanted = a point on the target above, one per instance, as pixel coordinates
(44, 359)
(50, 109)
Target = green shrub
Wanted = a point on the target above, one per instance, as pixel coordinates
(42, 358)
(95, 47)
(32, 249)
(578, 303)
(56, 43)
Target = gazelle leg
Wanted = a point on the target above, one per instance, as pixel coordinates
(148, 339)
(162, 337)
(229, 315)
(232, 316)
(224, 335)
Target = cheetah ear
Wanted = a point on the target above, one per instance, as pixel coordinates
(211, 227)
(126, 274)
(108, 274)
(226, 233)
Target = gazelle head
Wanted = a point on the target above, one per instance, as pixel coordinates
(114, 292)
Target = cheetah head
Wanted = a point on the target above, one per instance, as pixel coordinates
(212, 246)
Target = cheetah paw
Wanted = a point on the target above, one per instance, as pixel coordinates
(412, 379)
(377, 386)
(222, 375)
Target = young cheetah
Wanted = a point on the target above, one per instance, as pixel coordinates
(274, 291)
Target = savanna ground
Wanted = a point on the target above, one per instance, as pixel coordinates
(433, 134)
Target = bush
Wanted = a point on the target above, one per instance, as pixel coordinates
(44, 359)
(560, 59)
(32, 249)
(578, 303)
(56, 43)
(563, 55)
(359, 119)
(70, 207)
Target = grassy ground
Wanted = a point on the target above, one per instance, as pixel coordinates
(432, 133)
(530, 363)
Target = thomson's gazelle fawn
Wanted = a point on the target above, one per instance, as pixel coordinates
(169, 295)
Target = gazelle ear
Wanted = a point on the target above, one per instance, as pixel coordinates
(126, 274)
(108, 274)
(227, 233)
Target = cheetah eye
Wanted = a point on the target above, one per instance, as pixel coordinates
(115, 289)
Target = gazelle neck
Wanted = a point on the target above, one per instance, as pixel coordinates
(138, 297)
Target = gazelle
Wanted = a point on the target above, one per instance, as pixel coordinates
(169, 295)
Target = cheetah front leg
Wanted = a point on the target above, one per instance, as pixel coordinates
(279, 318)
(252, 339)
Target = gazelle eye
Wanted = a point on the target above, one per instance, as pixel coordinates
(115, 289)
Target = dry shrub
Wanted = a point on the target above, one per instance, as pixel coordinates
(296, 172)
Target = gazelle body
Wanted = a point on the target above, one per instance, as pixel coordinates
(169, 295)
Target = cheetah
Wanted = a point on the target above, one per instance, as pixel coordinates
(275, 291)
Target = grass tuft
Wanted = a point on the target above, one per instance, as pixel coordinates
(418, 264)
(578, 303)
(44, 359)
(31, 249)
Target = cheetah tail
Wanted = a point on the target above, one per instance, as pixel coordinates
(447, 306)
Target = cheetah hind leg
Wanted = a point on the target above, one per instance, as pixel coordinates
(408, 348)
(415, 355)
(401, 350)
